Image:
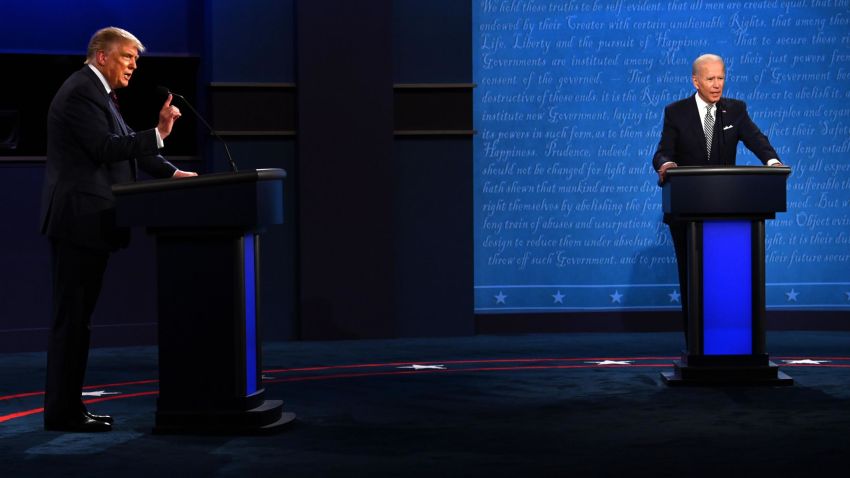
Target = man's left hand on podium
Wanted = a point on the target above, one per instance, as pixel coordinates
(183, 174)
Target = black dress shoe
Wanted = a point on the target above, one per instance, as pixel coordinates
(82, 424)
(101, 418)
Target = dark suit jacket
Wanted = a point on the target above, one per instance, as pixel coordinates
(89, 148)
(683, 139)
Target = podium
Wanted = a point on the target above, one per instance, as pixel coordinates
(724, 210)
(206, 231)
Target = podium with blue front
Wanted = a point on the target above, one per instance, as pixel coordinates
(724, 210)
(207, 231)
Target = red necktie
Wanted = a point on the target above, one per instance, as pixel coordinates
(114, 97)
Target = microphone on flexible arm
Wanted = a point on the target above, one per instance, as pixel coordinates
(167, 92)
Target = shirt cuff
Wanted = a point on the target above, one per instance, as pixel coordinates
(159, 142)
(771, 162)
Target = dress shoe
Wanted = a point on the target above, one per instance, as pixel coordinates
(101, 418)
(81, 423)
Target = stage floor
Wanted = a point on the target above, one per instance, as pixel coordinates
(532, 405)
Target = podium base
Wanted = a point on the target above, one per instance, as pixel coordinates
(267, 418)
(746, 375)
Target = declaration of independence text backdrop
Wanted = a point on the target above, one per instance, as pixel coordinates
(569, 110)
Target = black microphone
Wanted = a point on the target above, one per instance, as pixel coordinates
(167, 92)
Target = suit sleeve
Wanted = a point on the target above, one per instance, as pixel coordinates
(754, 139)
(156, 166)
(666, 150)
(89, 123)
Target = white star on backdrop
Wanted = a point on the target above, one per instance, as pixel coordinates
(424, 367)
(559, 297)
(500, 299)
(99, 393)
(616, 297)
(613, 362)
(805, 362)
(674, 296)
(792, 296)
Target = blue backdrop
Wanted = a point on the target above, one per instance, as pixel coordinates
(569, 110)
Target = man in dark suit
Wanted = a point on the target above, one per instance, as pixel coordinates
(89, 148)
(704, 130)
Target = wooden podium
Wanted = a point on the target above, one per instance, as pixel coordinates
(724, 210)
(207, 255)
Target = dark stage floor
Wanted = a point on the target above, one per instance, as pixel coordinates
(537, 405)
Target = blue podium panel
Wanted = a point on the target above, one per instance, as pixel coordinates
(250, 291)
(727, 287)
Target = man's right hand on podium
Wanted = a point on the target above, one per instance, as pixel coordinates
(183, 174)
(663, 171)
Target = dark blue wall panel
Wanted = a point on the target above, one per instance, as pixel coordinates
(345, 183)
(434, 239)
(252, 41)
(432, 45)
(432, 41)
(165, 27)
(24, 259)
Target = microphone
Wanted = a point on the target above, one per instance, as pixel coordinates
(166, 91)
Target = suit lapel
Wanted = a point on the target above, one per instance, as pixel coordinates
(117, 116)
(123, 129)
(715, 139)
(695, 120)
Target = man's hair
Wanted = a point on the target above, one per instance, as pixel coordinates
(106, 38)
(706, 58)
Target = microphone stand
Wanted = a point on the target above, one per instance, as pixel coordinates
(210, 128)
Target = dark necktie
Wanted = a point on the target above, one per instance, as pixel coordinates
(124, 128)
(117, 112)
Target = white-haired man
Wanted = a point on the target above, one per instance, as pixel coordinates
(704, 130)
(89, 148)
